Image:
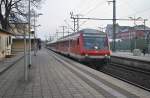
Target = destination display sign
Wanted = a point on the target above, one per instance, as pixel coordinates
(94, 35)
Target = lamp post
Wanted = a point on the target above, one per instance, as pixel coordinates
(29, 50)
(25, 54)
(25, 57)
(146, 35)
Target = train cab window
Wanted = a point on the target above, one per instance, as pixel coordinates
(95, 42)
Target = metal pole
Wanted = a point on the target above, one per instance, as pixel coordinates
(146, 37)
(77, 23)
(135, 33)
(34, 36)
(25, 58)
(130, 40)
(144, 26)
(63, 30)
(56, 34)
(69, 41)
(114, 25)
(144, 29)
(135, 40)
(29, 35)
(74, 21)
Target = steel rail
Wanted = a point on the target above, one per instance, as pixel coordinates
(140, 70)
(127, 81)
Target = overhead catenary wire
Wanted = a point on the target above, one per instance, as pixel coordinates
(134, 9)
(89, 4)
(82, 6)
(68, 25)
(95, 7)
(92, 9)
(83, 2)
(129, 5)
(85, 8)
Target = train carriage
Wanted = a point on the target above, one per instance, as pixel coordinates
(85, 45)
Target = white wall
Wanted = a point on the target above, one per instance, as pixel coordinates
(5, 45)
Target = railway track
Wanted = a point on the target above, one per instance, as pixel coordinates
(130, 75)
(143, 71)
(136, 77)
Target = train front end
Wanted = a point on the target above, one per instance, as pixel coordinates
(95, 47)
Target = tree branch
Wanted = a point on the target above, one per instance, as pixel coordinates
(15, 2)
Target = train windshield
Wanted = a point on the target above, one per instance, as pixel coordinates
(95, 42)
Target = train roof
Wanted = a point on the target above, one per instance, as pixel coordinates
(90, 31)
(84, 31)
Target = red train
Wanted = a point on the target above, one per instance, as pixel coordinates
(85, 45)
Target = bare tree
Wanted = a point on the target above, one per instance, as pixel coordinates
(15, 11)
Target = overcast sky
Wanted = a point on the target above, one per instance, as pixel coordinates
(56, 11)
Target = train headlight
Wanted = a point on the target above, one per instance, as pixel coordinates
(96, 47)
(107, 56)
(86, 55)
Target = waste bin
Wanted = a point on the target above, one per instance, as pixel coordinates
(136, 52)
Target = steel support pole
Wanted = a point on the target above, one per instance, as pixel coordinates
(114, 25)
(77, 23)
(135, 33)
(34, 35)
(146, 37)
(130, 41)
(29, 34)
(25, 59)
(63, 30)
(69, 41)
(56, 34)
(145, 40)
(74, 25)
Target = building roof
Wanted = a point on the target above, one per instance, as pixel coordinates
(141, 27)
(6, 32)
(26, 38)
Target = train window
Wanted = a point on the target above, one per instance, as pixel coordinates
(95, 43)
(78, 41)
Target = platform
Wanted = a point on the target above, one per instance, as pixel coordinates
(142, 57)
(6, 63)
(52, 77)
(128, 59)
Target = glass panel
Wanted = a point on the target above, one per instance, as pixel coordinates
(95, 43)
